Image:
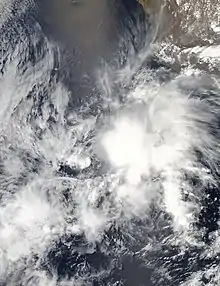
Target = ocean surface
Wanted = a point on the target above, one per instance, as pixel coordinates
(109, 143)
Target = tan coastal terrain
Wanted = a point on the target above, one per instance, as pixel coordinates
(187, 22)
(186, 33)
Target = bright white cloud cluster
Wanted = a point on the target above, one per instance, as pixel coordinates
(143, 150)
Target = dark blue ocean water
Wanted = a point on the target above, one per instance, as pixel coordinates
(49, 68)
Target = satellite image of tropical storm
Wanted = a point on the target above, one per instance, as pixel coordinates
(110, 143)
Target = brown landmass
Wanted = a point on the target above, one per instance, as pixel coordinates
(186, 23)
